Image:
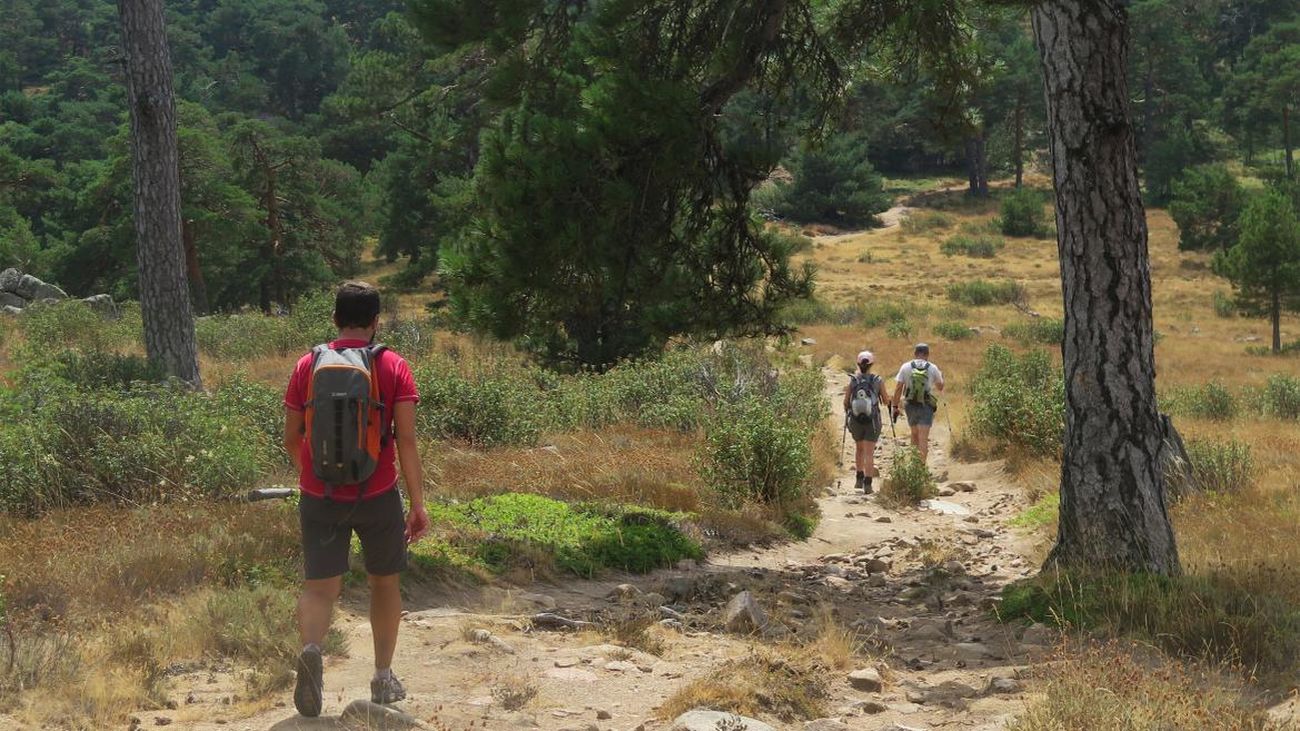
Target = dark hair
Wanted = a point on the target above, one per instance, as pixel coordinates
(921, 349)
(356, 304)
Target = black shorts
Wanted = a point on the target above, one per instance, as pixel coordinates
(865, 431)
(327, 528)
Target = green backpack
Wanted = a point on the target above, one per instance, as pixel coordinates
(918, 388)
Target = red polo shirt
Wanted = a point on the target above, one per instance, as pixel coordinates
(396, 384)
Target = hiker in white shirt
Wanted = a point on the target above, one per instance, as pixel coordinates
(916, 385)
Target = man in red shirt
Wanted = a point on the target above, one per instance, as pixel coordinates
(372, 509)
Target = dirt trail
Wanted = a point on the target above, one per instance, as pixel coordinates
(945, 664)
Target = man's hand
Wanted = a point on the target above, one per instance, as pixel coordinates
(417, 523)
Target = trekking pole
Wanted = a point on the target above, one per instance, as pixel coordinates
(844, 438)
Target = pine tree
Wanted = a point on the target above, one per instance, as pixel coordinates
(1264, 266)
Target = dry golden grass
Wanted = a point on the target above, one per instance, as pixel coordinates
(84, 565)
(621, 464)
(1117, 687)
(789, 681)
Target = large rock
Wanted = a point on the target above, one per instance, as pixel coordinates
(826, 724)
(866, 679)
(9, 299)
(702, 720)
(374, 717)
(101, 303)
(743, 615)
(9, 280)
(11, 310)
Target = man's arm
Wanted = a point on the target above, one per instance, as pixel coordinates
(293, 436)
(408, 454)
(938, 378)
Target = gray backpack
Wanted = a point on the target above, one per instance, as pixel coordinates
(865, 403)
(345, 415)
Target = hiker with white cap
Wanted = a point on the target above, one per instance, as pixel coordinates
(862, 399)
(918, 382)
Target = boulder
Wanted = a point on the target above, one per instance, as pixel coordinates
(743, 615)
(9, 280)
(704, 720)
(1002, 684)
(962, 486)
(866, 679)
(101, 303)
(11, 310)
(47, 291)
(9, 299)
(876, 566)
(374, 717)
(624, 593)
(826, 724)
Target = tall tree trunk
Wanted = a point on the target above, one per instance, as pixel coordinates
(1275, 310)
(198, 287)
(155, 167)
(1286, 141)
(1113, 511)
(972, 169)
(1020, 142)
(982, 163)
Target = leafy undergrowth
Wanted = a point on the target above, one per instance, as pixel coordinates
(1219, 617)
(511, 531)
(909, 482)
(1105, 687)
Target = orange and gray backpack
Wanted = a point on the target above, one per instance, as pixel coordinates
(345, 415)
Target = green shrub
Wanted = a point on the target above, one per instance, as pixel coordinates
(978, 292)
(1220, 466)
(503, 531)
(922, 221)
(498, 404)
(1039, 330)
(143, 445)
(71, 324)
(883, 311)
(1022, 214)
(953, 331)
(253, 335)
(1019, 400)
(909, 480)
(1225, 305)
(1212, 401)
(899, 329)
(1281, 396)
(808, 311)
(752, 455)
(980, 247)
(98, 370)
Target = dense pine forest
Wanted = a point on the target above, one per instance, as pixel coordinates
(310, 129)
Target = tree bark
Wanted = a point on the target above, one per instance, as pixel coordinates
(164, 291)
(1275, 311)
(1113, 511)
(198, 287)
(1020, 142)
(1286, 141)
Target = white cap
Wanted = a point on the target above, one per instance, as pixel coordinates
(867, 356)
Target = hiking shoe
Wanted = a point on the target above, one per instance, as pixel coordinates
(858, 485)
(385, 689)
(309, 692)
(866, 485)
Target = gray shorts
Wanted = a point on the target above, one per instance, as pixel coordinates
(868, 431)
(327, 528)
(920, 414)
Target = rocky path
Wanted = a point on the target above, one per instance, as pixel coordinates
(915, 584)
